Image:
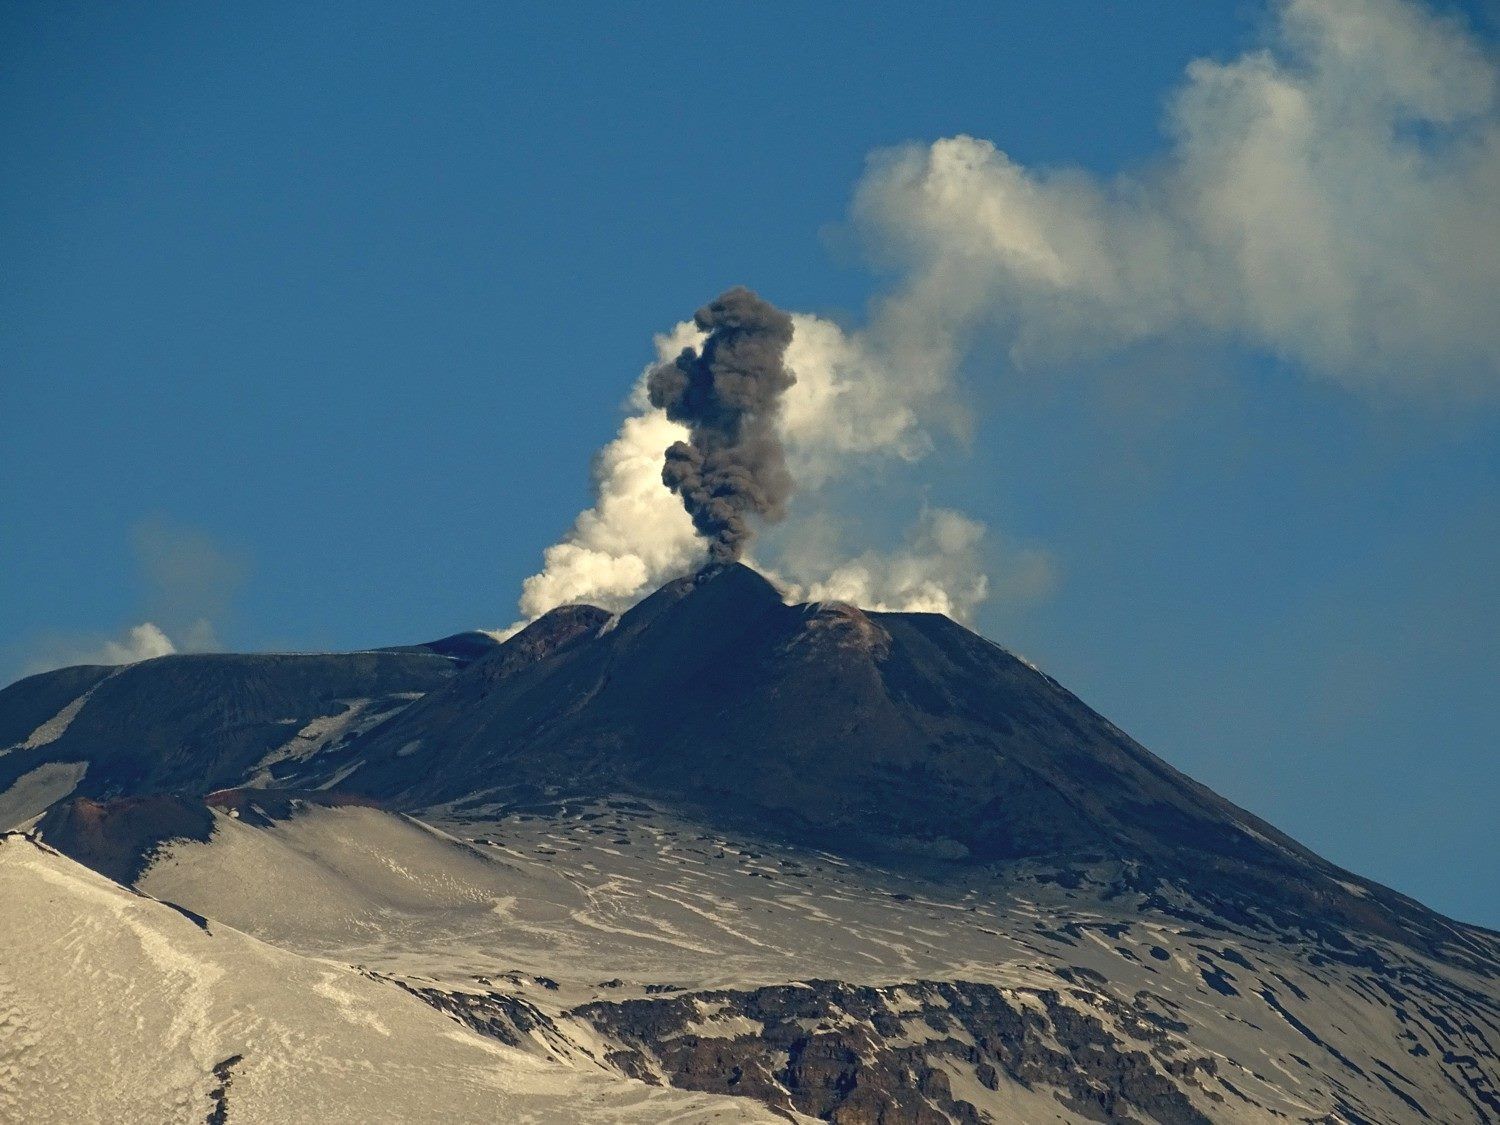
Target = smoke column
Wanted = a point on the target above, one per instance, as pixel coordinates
(728, 394)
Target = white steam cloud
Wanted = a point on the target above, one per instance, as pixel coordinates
(190, 583)
(143, 642)
(637, 534)
(849, 406)
(140, 642)
(1331, 197)
(939, 569)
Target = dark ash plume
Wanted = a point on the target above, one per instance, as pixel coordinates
(728, 394)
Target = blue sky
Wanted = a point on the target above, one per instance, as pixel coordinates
(312, 321)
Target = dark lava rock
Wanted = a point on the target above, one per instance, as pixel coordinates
(898, 736)
(902, 736)
(861, 1062)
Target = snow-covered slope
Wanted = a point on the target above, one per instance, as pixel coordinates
(615, 931)
(806, 860)
(115, 1007)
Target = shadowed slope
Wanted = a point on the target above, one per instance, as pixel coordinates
(190, 724)
(903, 735)
(895, 735)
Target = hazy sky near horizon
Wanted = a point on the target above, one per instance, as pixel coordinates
(313, 318)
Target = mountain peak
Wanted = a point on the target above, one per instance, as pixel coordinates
(898, 735)
(737, 574)
(733, 581)
(714, 598)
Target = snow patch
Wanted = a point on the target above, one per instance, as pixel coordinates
(33, 792)
(55, 727)
(360, 715)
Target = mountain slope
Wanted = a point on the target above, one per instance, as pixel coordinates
(615, 934)
(190, 724)
(857, 867)
(901, 735)
(164, 1018)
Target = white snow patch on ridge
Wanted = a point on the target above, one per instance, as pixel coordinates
(135, 1030)
(55, 727)
(325, 731)
(34, 791)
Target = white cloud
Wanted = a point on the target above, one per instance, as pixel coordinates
(143, 642)
(140, 642)
(1333, 198)
(853, 402)
(945, 566)
(635, 534)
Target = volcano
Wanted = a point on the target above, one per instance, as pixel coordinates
(1083, 931)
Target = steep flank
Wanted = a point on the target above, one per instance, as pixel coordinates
(897, 735)
(119, 838)
(27, 704)
(900, 736)
(191, 724)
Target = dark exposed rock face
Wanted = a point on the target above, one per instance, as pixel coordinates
(872, 1056)
(883, 1056)
(498, 1015)
(896, 734)
(192, 724)
(219, 1096)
